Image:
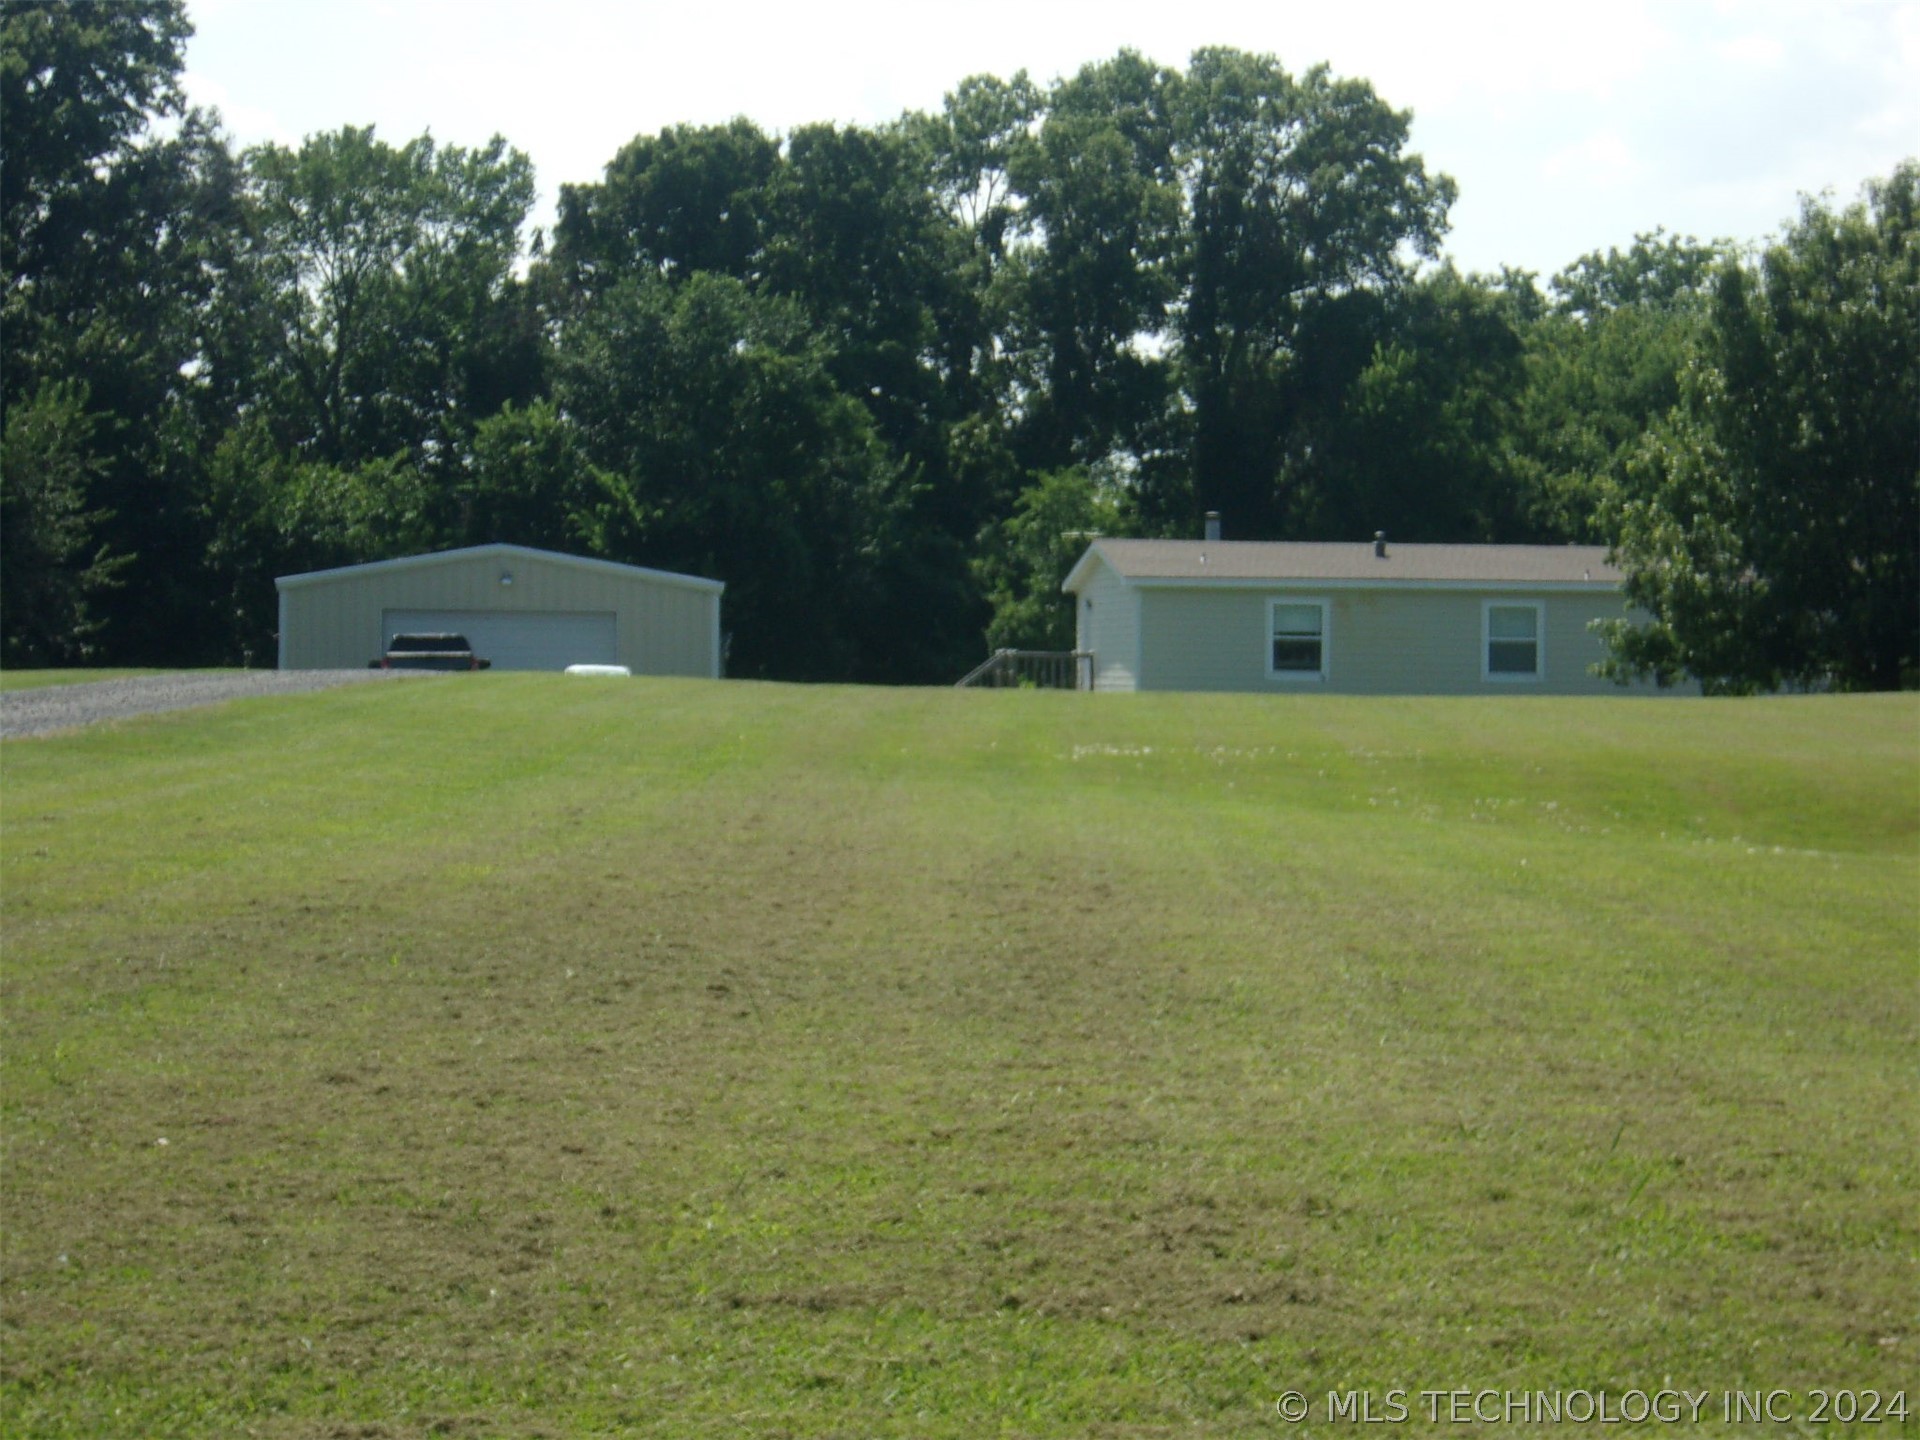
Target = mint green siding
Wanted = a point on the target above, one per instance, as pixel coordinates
(660, 627)
(1110, 628)
(1424, 641)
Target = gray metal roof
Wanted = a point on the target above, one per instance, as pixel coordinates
(1263, 560)
(501, 551)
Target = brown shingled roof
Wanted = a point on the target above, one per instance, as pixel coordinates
(1299, 560)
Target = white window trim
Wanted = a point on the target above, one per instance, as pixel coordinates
(1507, 677)
(1302, 677)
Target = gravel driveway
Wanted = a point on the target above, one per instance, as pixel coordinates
(62, 707)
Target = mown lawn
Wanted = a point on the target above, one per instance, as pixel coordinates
(512, 1055)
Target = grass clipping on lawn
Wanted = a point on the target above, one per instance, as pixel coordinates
(515, 1056)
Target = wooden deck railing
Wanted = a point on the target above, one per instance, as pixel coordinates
(1033, 670)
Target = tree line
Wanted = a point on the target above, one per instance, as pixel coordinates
(884, 380)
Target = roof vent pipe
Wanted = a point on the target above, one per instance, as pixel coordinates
(1380, 544)
(1213, 524)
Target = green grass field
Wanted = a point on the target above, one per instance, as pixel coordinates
(518, 1056)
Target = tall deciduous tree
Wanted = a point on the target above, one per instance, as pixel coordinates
(50, 568)
(1303, 202)
(115, 245)
(1091, 285)
(690, 200)
(857, 236)
(1026, 557)
(271, 512)
(527, 484)
(1421, 443)
(970, 146)
(973, 138)
(79, 83)
(385, 288)
(854, 234)
(1772, 527)
(371, 324)
(1603, 365)
(848, 227)
(721, 446)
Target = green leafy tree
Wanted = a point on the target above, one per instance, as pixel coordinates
(1092, 280)
(1421, 444)
(1303, 207)
(50, 568)
(688, 201)
(856, 237)
(383, 290)
(1028, 555)
(723, 447)
(79, 83)
(1604, 361)
(1771, 524)
(972, 140)
(271, 512)
(1658, 271)
(370, 329)
(970, 147)
(115, 246)
(528, 484)
(847, 227)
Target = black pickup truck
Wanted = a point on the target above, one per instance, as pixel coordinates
(429, 652)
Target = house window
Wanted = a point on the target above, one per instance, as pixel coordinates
(1511, 646)
(1297, 632)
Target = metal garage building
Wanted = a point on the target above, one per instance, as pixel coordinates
(523, 609)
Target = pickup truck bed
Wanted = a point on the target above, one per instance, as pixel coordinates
(429, 652)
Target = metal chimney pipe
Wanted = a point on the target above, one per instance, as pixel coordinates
(1380, 544)
(1213, 524)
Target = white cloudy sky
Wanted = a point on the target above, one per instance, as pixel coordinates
(1568, 127)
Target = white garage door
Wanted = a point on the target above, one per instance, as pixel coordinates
(519, 640)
